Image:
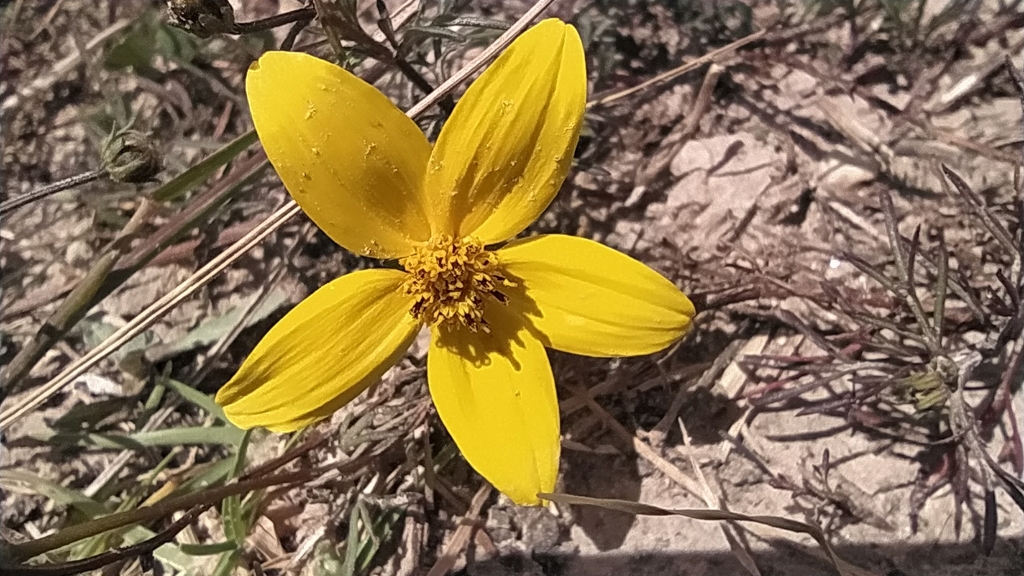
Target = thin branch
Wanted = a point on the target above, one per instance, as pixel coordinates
(98, 561)
(304, 14)
(678, 71)
(60, 186)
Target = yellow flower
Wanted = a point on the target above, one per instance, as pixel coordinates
(367, 176)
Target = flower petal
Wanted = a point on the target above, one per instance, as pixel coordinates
(351, 159)
(508, 145)
(496, 396)
(588, 299)
(323, 353)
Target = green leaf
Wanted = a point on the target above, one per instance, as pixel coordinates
(184, 436)
(196, 175)
(226, 564)
(150, 38)
(413, 34)
(203, 401)
(103, 278)
(94, 330)
(213, 473)
(56, 492)
(212, 329)
(236, 524)
(366, 534)
(168, 553)
(82, 417)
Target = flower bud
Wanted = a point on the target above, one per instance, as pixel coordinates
(128, 156)
(204, 18)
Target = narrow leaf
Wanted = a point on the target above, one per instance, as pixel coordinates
(196, 175)
(199, 399)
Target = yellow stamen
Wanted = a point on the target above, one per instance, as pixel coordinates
(449, 278)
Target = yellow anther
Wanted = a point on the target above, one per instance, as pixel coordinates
(450, 279)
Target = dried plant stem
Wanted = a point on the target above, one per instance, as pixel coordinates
(740, 548)
(678, 71)
(981, 211)
(484, 57)
(645, 451)
(81, 299)
(678, 138)
(259, 478)
(118, 263)
(113, 468)
(65, 184)
(141, 549)
(702, 102)
(204, 275)
(706, 514)
(264, 291)
(463, 534)
(709, 376)
(151, 314)
(304, 14)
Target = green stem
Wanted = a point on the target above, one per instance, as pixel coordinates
(253, 480)
(144, 548)
(70, 535)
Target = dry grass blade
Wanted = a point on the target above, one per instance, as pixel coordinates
(463, 534)
(955, 281)
(844, 568)
(680, 70)
(64, 66)
(204, 275)
(83, 296)
(197, 209)
(258, 479)
(143, 549)
(484, 57)
(262, 293)
(641, 448)
(738, 546)
(207, 497)
(706, 379)
(119, 263)
(978, 207)
(678, 138)
(150, 315)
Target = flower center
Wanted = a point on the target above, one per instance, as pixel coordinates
(450, 278)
